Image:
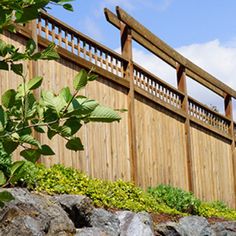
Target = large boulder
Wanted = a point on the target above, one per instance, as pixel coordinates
(168, 228)
(105, 221)
(135, 224)
(224, 228)
(33, 215)
(195, 226)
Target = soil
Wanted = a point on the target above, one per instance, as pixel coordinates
(162, 218)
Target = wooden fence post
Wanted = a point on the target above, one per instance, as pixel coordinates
(229, 113)
(126, 48)
(182, 86)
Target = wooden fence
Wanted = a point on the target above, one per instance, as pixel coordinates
(165, 137)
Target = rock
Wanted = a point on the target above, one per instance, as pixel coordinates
(79, 208)
(135, 224)
(187, 226)
(106, 221)
(224, 228)
(32, 214)
(169, 228)
(93, 231)
(194, 226)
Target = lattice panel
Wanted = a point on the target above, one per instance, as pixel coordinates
(157, 88)
(208, 117)
(80, 45)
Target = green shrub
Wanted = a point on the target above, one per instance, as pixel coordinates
(175, 198)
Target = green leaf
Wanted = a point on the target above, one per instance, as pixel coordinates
(34, 83)
(74, 125)
(80, 80)
(6, 48)
(10, 146)
(87, 105)
(3, 16)
(49, 53)
(92, 77)
(104, 114)
(8, 98)
(16, 56)
(66, 94)
(30, 140)
(17, 165)
(28, 13)
(3, 179)
(39, 129)
(30, 46)
(36, 56)
(31, 155)
(30, 106)
(75, 144)
(63, 1)
(51, 133)
(6, 196)
(17, 68)
(4, 65)
(68, 7)
(64, 131)
(3, 119)
(47, 151)
(57, 103)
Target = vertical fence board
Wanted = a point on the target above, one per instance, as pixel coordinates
(212, 166)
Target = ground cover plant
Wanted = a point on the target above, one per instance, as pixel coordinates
(119, 194)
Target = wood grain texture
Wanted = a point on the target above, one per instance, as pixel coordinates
(159, 119)
(212, 166)
(161, 146)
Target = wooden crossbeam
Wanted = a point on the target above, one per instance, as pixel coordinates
(154, 44)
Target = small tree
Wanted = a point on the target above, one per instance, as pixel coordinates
(21, 112)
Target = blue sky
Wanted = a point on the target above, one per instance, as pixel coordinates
(203, 31)
(178, 22)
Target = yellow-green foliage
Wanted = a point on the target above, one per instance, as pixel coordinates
(118, 194)
(216, 209)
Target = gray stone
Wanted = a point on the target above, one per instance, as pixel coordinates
(194, 226)
(79, 208)
(224, 228)
(106, 221)
(92, 231)
(169, 228)
(135, 224)
(35, 215)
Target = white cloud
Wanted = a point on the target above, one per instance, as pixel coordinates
(216, 58)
